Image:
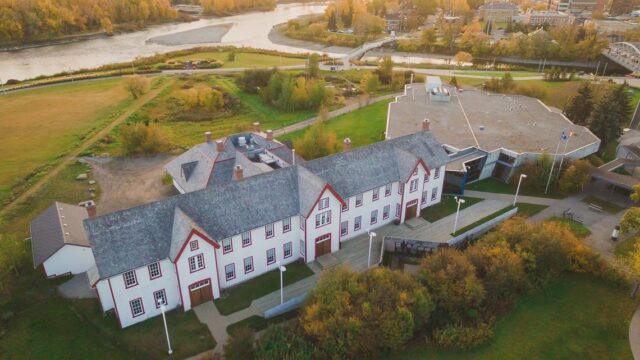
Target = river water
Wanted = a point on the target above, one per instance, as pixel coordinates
(251, 29)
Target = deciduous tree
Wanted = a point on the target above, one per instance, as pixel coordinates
(575, 177)
(136, 85)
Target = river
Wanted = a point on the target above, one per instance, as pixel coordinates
(250, 29)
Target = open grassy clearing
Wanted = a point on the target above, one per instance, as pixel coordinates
(258, 323)
(243, 60)
(514, 74)
(38, 126)
(494, 185)
(446, 207)
(363, 126)
(241, 296)
(483, 220)
(577, 228)
(528, 210)
(576, 317)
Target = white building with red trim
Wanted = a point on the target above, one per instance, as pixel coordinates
(187, 249)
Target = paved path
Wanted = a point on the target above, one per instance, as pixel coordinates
(634, 334)
(77, 288)
(71, 157)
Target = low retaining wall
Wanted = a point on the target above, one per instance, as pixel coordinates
(286, 306)
(482, 228)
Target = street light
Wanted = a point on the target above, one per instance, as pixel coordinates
(522, 176)
(282, 269)
(371, 235)
(163, 309)
(460, 201)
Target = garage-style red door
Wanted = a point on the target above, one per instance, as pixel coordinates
(200, 292)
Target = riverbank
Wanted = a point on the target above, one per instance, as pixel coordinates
(277, 36)
(203, 35)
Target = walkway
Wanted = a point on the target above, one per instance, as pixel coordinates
(71, 157)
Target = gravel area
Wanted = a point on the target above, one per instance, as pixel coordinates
(277, 37)
(203, 35)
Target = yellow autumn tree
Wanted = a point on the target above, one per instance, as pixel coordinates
(317, 141)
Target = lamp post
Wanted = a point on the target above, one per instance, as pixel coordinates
(522, 176)
(163, 309)
(455, 223)
(371, 235)
(282, 269)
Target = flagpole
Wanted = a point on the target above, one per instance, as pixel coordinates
(565, 152)
(546, 189)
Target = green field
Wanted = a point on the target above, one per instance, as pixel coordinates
(38, 126)
(243, 60)
(494, 185)
(576, 317)
(446, 207)
(363, 126)
(577, 228)
(514, 74)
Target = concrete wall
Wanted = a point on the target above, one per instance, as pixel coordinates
(72, 259)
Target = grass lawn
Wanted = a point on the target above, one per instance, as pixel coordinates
(46, 326)
(363, 126)
(577, 228)
(608, 152)
(482, 221)
(514, 74)
(497, 186)
(243, 60)
(38, 126)
(258, 323)
(241, 296)
(446, 207)
(62, 187)
(576, 317)
(625, 248)
(605, 205)
(528, 210)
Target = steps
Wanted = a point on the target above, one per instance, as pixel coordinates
(416, 223)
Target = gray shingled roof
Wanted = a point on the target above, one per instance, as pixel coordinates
(138, 236)
(365, 168)
(499, 6)
(58, 225)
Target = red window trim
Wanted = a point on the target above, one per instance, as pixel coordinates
(400, 188)
(230, 242)
(357, 223)
(155, 300)
(283, 230)
(390, 190)
(320, 239)
(274, 256)
(361, 200)
(376, 220)
(320, 207)
(135, 277)
(383, 217)
(252, 265)
(398, 211)
(196, 247)
(273, 231)
(141, 307)
(345, 206)
(284, 252)
(242, 239)
(375, 196)
(233, 266)
(417, 183)
(347, 232)
(196, 262)
(159, 270)
(325, 224)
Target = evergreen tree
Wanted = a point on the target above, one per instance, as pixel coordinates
(609, 116)
(622, 103)
(332, 21)
(580, 106)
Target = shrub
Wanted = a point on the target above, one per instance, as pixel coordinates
(142, 139)
(240, 345)
(136, 85)
(463, 337)
(254, 79)
(283, 342)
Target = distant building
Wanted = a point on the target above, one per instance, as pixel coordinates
(577, 6)
(537, 18)
(393, 23)
(498, 11)
(612, 28)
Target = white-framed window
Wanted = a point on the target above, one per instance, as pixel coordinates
(271, 256)
(130, 278)
(248, 264)
(436, 173)
(160, 298)
(434, 194)
(268, 231)
(344, 228)
(324, 218)
(286, 225)
(387, 190)
(376, 194)
(246, 238)
(358, 200)
(193, 245)
(324, 203)
(345, 206)
(413, 185)
(425, 196)
(398, 210)
(357, 223)
(385, 212)
(302, 222)
(196, 263)
(137, 308)
(302, 247)
(400, 188)
(227, 246)
(426, 178)
(374, 216)
(286, 249)
(230, 271)
(154, 270)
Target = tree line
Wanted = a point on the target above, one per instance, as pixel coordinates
(453, 301)
(226, 7)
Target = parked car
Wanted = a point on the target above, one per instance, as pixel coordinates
(616, 233)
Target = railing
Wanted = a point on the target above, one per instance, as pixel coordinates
(481, 229)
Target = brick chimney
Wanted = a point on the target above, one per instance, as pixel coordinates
(207, 136)
(92, 211)
(219, 146)
(270, 135)
(256, 127)
(425, 124)
(238, 173)
(346, 145)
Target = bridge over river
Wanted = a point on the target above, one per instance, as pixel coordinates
(625, 54)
